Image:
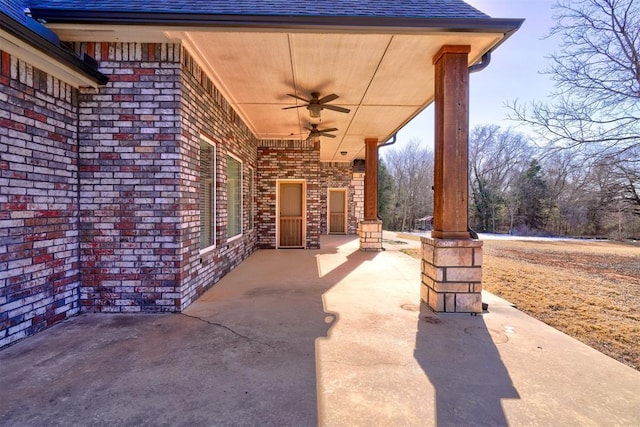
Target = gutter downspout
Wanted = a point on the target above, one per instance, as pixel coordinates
(484, 63)
(391, 142)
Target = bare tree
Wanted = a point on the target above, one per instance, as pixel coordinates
(587, 198)
(626, 172)
(597, 79)
(496, 157)
(595, 112)
(568, 181)
(411, 168)
(623, 178)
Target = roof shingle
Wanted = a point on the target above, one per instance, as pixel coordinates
(15, 9)
(455, 9)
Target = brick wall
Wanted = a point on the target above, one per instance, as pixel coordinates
(39, 274)
(100, 187)
(340, 175)
(357, 183)
(130, 180)
(289, 160)
(139, 167)
(206, 112)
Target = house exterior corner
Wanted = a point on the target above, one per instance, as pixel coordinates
(102, 188)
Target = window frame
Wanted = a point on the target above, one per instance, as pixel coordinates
(241, 194)
(213, 196)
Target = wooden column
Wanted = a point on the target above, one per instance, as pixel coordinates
(371, 179)
(450, 196)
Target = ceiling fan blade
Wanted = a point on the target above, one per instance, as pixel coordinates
(297, 97)
(295, 106)
(328, 130)
(336, 108)
(328, 135)
(327, 98)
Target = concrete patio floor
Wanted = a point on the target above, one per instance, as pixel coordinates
(332, 337)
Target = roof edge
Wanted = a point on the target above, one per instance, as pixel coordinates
(350, 23)
(46, 47)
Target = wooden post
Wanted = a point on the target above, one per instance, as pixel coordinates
(371, 179)
(451, 143)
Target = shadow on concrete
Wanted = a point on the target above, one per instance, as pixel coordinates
(458, 354)
(242, 354)
(276, 298)
(301, 338)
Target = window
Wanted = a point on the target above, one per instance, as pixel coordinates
(234, 197)
(251, 212)
(207, 194)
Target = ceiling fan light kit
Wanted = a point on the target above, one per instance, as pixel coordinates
(315, 105)
(314, 111)
(315, 133)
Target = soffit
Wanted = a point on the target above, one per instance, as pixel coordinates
(384, 79)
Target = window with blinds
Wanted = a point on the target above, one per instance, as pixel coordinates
(207, 194)
(234, 197)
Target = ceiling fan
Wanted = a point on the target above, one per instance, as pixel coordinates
(316, 133)
(317, 104)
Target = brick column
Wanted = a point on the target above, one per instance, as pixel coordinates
(357, 182)
(451, 260)
(370, 229)
(452, 275)
(370, 233)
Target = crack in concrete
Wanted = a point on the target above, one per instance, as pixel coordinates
(220, 325)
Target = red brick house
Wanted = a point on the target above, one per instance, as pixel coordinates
(147, 148)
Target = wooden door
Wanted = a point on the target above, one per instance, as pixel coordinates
(291, 209)
(337, 211)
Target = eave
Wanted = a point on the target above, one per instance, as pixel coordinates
(255, 61)
(348, 24)
(24, 43)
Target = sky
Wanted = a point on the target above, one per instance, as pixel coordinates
(514, 71)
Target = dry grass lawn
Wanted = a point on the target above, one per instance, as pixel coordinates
(589, 290)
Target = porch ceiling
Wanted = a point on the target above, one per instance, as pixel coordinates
(384, 77)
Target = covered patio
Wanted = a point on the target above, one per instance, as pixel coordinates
(313, 90)
(300, 337)
(196, 133)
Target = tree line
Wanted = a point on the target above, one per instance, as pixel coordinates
(519, 188)
(577, 170)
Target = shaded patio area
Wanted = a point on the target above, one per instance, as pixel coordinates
(304, 337)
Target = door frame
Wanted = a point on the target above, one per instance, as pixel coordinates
(304, 210)
(346, 208)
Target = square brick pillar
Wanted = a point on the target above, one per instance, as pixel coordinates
(452, 275)
(370, 229)
(370, 233)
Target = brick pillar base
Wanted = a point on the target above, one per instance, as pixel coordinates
(452, 275)
(370, 233)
